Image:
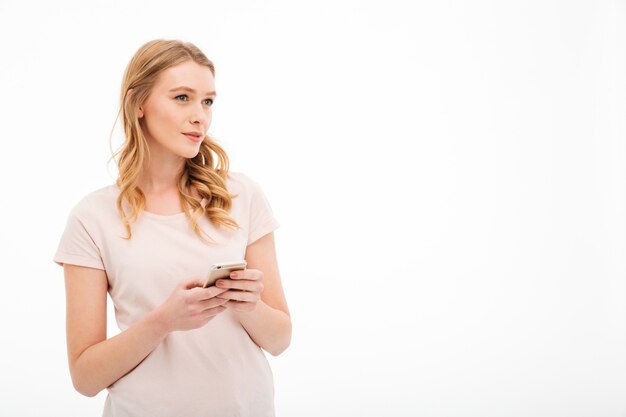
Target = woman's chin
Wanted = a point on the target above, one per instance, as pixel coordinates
(190, 153)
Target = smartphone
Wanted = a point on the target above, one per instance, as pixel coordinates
(223, 270)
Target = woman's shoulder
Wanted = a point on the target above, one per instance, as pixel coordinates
(97, 200)
(240, 182)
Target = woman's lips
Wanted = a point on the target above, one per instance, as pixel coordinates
(195, 137)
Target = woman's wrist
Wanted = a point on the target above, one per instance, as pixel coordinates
(157, 321)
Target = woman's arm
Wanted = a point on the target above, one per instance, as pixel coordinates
(267, 320)
(97, 362)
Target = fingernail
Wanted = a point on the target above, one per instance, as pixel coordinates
(234, 275)
(219, 283)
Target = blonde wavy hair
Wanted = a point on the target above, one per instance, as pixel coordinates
(205, 173)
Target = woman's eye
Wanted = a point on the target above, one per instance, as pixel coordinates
(208, 101)
(182, 97)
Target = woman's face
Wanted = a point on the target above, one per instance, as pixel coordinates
(177, 114)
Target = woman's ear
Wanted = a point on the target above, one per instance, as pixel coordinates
(140, 109)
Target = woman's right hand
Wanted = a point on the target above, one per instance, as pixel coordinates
(191, 306)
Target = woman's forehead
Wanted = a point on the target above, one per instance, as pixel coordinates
(187, 74)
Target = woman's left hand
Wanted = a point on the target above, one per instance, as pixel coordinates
(244, 289)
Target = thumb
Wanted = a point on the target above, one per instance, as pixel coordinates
(193, 283)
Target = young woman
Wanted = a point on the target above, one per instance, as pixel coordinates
(150, 239)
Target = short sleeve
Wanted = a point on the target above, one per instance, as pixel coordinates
(77, 245)
(262, 220)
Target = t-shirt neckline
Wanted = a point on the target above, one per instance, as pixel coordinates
(169, 216)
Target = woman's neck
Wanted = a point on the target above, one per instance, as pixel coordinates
(161, 175)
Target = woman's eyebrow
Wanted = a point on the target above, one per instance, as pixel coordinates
(191, 90)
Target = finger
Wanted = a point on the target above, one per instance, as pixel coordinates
(241, 306)
(235, 295)
(249, 274)
(211, 312)
(192, 283)
(200, 293)
(199, 309)
(244, 285)
(207, 305)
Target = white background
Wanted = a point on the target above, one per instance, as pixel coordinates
(449, 177)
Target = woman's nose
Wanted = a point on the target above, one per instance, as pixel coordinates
(198, 116)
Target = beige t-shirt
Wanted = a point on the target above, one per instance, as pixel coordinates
(216, 370)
